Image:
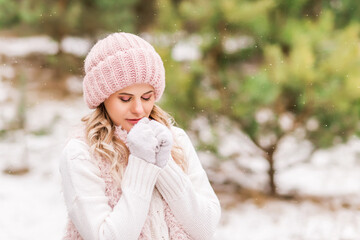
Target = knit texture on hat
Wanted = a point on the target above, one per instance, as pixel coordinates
(118, 61)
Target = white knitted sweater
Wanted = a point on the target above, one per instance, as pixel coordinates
(148, 197)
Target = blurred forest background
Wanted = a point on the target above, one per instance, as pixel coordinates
(261, 85)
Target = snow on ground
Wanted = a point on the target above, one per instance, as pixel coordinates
(19, 47)
(31, 207)
(278, 220)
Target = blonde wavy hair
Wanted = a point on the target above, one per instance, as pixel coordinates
(99, 134)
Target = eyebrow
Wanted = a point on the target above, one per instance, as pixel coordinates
(129, 94)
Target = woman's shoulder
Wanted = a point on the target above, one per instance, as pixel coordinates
(178, 132)
(74, 148)
(181, 136)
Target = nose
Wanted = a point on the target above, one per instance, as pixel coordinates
(137, 107)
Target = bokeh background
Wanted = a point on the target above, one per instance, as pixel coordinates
(268, 91)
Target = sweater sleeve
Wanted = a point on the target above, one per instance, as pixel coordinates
(190, 195)
(87, 204)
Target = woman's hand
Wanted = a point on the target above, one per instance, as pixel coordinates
(164, 142)
(142, 141)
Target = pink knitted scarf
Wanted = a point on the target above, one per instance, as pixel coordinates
(113, 192)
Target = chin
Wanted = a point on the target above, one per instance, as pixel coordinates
(127, 128)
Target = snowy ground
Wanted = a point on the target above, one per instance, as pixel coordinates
(32, 207)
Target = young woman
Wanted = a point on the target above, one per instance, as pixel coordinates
(130, 174)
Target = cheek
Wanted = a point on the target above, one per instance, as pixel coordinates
(116, 111)
(148, 108)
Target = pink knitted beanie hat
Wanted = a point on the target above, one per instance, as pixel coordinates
(118, 61)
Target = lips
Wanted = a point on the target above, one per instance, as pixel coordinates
(133, 121)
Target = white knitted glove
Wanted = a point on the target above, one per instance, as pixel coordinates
(165, 142)
(142, 142)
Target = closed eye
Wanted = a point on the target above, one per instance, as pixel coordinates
(125, 99)
(147, 97)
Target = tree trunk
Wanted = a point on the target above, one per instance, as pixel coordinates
(271, 172)
(145, 12)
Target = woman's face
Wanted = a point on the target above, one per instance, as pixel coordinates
(127, 106)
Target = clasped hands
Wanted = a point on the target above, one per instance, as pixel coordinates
(150, 141)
